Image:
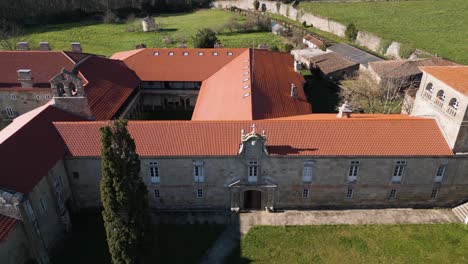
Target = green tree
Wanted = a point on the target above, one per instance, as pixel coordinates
(205, 38)
(351, 32)
(124, 196)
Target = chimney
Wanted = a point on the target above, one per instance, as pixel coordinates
(25, 78)
(344, 109)
(44, 46)
(294, 91)
(23, 45)
(76, 47)
(297, 66)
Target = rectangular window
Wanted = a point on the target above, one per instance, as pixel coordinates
(440, 173)
(156, 53)
(10, 112)
(229, 53)
(353, 171)
(76, 175)
(349, 193)
(13, 96)
(399, 171)
(434, 194)
(392, 194)
(43, 203)
(47, 97)
(38, 97)
(199, 193)
(198, 172)
(305, 193)
(215, 53)
(156, 194)
(185, 53)
(253, 171)
(308, 171)
(154, 172)
(200, 53)
(171, 53)
(58, 183)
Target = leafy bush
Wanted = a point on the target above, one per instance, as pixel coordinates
(287, 47)
(205, 38)
(256, 4)
(351, 32)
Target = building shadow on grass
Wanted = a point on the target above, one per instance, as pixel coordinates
(187, 238)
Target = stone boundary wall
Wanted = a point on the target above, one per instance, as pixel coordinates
(366, 39)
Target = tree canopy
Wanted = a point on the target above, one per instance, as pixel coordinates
(123, 195)
(205, 38)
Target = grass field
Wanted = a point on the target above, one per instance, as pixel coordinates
(436, 26)
(107, 39)
(437, 243)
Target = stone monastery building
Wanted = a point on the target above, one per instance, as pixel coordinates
(252, 142)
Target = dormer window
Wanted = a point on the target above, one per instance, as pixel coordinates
(200, 53)
(156, 53)
(245, 80)
(245, 87)
(215, 53)
(229, 53)
(185, 53)
(171, 53)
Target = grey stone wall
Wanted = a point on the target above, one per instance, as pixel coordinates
(24, 101)
(328, 188)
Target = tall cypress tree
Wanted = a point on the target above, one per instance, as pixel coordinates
(124, 196)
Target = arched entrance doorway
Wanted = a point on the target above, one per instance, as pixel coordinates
(252, 199)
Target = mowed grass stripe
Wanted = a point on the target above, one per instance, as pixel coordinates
(437, 243)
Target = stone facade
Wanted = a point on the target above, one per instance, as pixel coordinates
(15, 248)
(452, 119)
(17, 102)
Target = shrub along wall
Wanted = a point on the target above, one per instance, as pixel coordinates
(366, 39)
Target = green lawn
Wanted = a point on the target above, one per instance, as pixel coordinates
(437, 26)
(107, 39)
(175, 243)
(437, 243)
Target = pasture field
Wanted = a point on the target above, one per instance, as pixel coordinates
(106, 39)
(437, 26)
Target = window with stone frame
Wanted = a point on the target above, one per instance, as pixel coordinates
(308, 171)
(198, 171)
(434, 194)
(9, 111)
(353, 171)
(253, 171)
(157, 194)
(305, 193)
(440, 173)
(399, 171)
(154, 172)
(392, 194)
(349, 193)
(199, 193)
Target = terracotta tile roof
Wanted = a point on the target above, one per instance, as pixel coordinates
(323, 137)
(317, 42)
(454, 76)
(331, 62)
(6, 225)
(30, 147)
(109, 84)
(405, 68)
(255, 85)
(43, 64)
(176, 67)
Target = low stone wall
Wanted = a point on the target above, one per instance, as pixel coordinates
(366, 39)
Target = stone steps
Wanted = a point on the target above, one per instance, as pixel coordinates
(462, 212)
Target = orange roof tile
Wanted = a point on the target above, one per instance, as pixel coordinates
(6, 225)
(109, 84)
(454, 76)
(176, 67)
(255, 85)
(325, 137)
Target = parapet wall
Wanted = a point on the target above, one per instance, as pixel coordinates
(366, 39)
